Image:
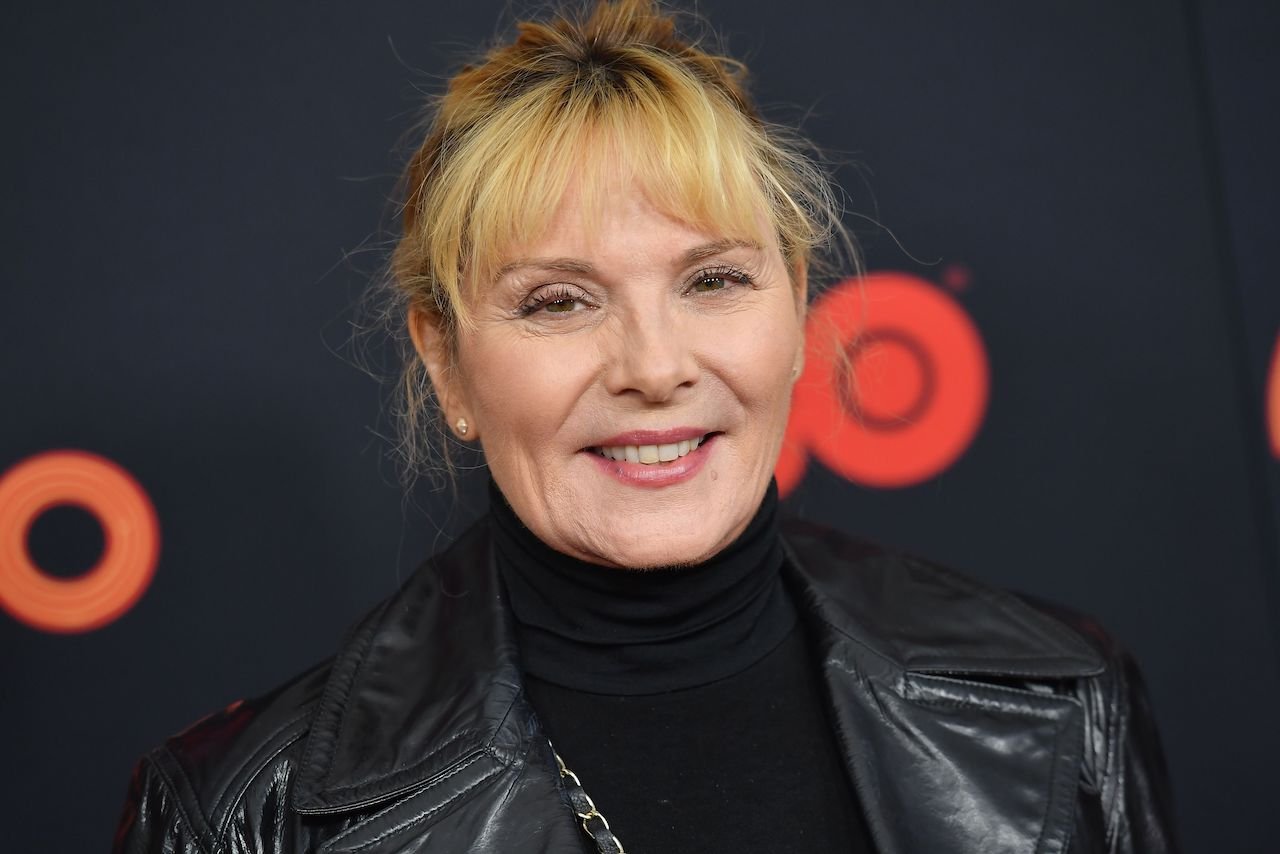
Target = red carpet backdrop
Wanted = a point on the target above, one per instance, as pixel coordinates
(1067, 377)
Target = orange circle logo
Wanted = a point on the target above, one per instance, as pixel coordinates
(895, 384)
(131, 535)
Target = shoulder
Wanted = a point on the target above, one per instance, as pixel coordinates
(247, 765)
(924, 620)
(196, 780)
(928, 618)
(923, 631)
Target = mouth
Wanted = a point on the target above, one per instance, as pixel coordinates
(651, 454)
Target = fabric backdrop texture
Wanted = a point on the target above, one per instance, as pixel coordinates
(1081, 195)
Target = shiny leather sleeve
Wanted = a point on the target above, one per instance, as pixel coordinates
(1126, 805)
(154, 820)
(1147, 823)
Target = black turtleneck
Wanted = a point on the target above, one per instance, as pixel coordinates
(611, 631)
(686, 699)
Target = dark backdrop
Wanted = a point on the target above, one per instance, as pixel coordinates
(196, 197)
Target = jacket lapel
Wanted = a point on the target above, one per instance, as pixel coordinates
(953, 738)
(423, 710)
(422, 687)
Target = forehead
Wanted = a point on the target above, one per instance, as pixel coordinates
(622, 212)
(581, 189)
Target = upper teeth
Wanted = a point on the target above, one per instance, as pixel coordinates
(649, 454)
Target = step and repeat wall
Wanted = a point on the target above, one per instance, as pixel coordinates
(1067, 378)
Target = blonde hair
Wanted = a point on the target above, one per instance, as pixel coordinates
(568, 100)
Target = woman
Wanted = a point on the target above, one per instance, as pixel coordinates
(603, 271)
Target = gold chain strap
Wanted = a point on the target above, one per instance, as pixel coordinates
(594, 824)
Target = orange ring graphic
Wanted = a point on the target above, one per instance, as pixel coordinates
(1273, 399)
(131, 535)
(895, 386)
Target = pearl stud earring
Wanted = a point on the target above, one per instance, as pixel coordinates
(462, 426)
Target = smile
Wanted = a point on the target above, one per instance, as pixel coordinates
(650, 454)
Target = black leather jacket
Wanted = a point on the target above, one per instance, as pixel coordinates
(970, 722)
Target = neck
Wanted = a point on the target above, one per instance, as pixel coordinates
(618, 631)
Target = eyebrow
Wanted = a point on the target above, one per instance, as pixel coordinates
(563, 265)
(716, 247)
(575, 265)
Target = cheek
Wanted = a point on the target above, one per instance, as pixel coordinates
(521, 391)
(760, 361)
(781, 346)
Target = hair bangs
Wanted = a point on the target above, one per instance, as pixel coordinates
(692, 156)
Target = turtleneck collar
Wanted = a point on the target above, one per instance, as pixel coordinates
(630, 632)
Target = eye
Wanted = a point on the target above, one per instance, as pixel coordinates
(561, 306)
(554, 299)
(709, 283)
(718, 279)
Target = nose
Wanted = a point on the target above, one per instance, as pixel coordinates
(652, 357)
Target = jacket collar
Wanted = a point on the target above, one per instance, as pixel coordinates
(422, 684)
(921, 618)
(919, 663)
(943, 697)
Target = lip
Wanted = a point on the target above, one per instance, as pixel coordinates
(657, 475)
(653, 437)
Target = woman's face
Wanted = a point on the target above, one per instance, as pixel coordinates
(630, 383)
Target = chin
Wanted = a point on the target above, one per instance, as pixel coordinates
(660, 552)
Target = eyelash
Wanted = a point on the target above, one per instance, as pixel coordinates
(540, 299)
(561, 292)
(732, 274)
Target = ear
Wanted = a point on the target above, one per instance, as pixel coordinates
(431, 342)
